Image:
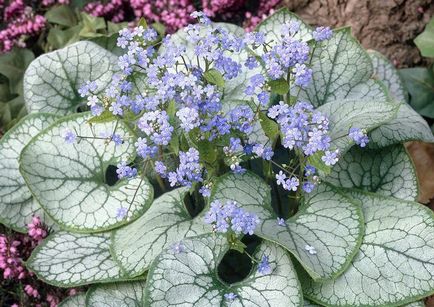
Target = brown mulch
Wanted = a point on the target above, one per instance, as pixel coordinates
(388, 26)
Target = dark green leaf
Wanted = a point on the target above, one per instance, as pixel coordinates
(280, 86)
(109, 43)
(12, 66)
(213, 76)
(62, 15)
(270, 127)
(160, 28)
(420, 84)
(113, 28)
(91, 25)
(142, 22)
(207, 151)
(425, 40)
(315, 160)
(58, 39)
(105, 117)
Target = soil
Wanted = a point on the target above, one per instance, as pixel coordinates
(388, 26)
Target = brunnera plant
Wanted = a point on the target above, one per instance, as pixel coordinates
(276, 159)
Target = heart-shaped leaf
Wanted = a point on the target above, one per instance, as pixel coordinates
(387, 171)
(387, 73)
(125, 294)
(17, 205)
(407, 126)
(394, 265)
(78, 300)
(136, 245)
(327, 221)
(69, 260)
(70, 180)
(12, 66)
(419, 82)
(190, 278)
(51, 82)
(425, 40)
(272, 27)
(341, 69)
(363, 114)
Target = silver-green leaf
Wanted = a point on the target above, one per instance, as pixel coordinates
(69, 181)
(78, 300)
(51, 82)
(123, 294)
(387, 73)
(327, 221)
(17, 205)
(387, 171)
(68, 260)
(136, 245)
(408, 125)
(190, 278)
(272, 27)
(341, 69)
(394, 265)
(359, 113)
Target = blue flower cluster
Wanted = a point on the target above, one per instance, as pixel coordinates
(359, 136)
(225, 216)
(125, 171)
(175, 93)
(264, 267)
(302, 127)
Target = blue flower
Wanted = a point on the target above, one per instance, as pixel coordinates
(303, 75)
(188, 171)
(236, 168)
(88, 87)
(117, 139)
(291, 184)
(225, 216)
(189, 118)
(322, 33)
(251, 62)
(310, 249)
(156, 125)
(177, 247)
(160, 169)
(309, 170)
(280, 178)
(331, 157)
(359, 136)
(121, 212)
(308, 186)
(144, 150)
(230, 297)
(264, 267)
(69, 137)
(281, 221)
(125, 171)
(265, 153)
(205, 191)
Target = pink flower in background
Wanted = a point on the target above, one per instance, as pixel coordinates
(36, 230)
(174, 14)
(21, 21)
(214, 7)
(112, 10)
(265, 9)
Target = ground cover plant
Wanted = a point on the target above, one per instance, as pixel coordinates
(217, 167)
